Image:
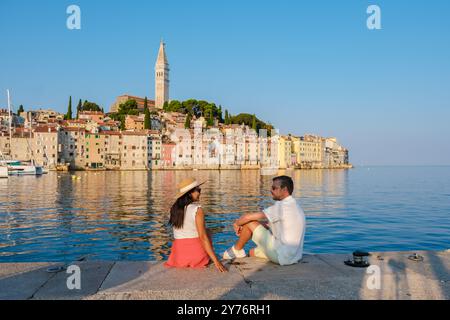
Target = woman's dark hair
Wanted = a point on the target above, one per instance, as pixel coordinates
(179, 209)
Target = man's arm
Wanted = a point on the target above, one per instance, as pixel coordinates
(257, 216)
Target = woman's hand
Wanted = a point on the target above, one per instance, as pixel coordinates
(219, 266)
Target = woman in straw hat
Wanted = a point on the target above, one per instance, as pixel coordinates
(192, 247)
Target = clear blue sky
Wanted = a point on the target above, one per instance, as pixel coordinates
(305, 66)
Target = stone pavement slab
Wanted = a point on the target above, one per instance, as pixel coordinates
(181, 294)
(434, 266)
(337, 261)
(92, 276)
(254, 269)
(316, 277)
(9, 269)
(148, 276)
(22, 281)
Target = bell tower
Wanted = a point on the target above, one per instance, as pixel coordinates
(161, 77)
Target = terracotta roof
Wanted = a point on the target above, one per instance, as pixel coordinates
(110, 123)
(135, 97)
(136, 118)
(75, 121)
(91, 113)
(134, 133)
(72, 129)
(110, 133)
(141, 132)
(54, 120)
(46, 130)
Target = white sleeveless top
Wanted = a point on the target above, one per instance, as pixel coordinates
(189, 229)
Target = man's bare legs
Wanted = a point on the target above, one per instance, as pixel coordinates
(246, 235)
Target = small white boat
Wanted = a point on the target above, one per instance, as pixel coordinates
(3, 172)
(22, 168)
(15, 167)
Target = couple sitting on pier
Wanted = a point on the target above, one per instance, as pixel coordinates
(278, 231)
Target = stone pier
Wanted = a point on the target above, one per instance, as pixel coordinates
(393, 277)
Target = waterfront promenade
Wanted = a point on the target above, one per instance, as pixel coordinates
(316, 277)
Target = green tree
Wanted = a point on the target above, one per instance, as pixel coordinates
(90, 106)
(129, 107)
(187, 124)
(190, 106)
(79, 106)
(210, 118)
(254, 122)
(249, 119)
(122, 122)
(20, 110)
(227, 117)
(220, 115)
(165, 105)
(173, 106)
(269, 128)
(68, 115)
(147, 120)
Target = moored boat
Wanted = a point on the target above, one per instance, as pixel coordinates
(21, 168)
(3, 172)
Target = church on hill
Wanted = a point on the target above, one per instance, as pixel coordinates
(162, 83)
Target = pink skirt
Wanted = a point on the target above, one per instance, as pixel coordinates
(188, 253)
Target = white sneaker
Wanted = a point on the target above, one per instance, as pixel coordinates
(232, 253)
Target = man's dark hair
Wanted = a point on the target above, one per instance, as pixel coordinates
(285, 182)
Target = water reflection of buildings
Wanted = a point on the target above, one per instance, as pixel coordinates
(6, 216)
(116, 210)
(225, 195)
(122, 213)
(159, 192)
(20, 209)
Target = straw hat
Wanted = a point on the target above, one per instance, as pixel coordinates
(187, 185)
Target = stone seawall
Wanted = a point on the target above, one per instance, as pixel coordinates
(392, 276)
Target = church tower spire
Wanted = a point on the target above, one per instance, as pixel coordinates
(161, 77)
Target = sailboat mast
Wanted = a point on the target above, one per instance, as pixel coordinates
(10, 120)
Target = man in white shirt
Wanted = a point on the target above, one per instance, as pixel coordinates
(281, 241)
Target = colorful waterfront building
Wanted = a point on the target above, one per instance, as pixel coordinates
(135, 122)
(113, 149)
(93, 116)
(168, 154)
(135, 146)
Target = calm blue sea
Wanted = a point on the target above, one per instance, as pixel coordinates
(123, 215)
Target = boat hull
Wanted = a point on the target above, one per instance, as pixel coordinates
(3, 172)
(25, 170)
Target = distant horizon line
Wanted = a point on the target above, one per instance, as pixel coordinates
(400, 165)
